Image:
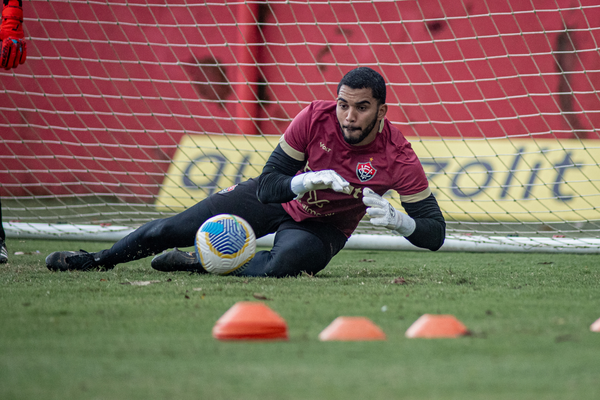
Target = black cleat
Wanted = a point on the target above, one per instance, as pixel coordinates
(3, 252)
(177, 260)
(73, 261)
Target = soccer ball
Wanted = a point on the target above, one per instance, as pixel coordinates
(225, 243)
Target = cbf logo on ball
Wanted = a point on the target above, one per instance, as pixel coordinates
(365, 171)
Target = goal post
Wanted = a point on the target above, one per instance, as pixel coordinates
(129, 111)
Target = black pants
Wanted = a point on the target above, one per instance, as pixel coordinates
(298, 246)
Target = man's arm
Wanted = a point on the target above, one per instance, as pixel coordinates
(13, 49)
(424, 226)
(274, 183)
(279, 183)
(430, 226)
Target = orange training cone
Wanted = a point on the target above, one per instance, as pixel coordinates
(250, 321)
(352, 329)
(436, 326)
(595, 327)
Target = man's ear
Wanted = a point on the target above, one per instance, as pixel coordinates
(382, 111)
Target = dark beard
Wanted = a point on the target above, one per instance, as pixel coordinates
(363, 135)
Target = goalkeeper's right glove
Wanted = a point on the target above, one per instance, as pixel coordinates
(326, 179)
(14, 48)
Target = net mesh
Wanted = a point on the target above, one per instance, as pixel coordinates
(126, 112)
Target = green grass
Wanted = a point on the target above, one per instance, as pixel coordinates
(88, 335)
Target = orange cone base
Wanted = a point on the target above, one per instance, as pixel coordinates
(436, 326)
(352, 329)
(250, 321)
(595, 327)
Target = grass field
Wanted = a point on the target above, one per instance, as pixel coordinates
(94, 336)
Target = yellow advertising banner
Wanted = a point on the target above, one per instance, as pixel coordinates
(522, 180)
(205, 164)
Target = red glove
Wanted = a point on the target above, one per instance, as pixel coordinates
(14, 48)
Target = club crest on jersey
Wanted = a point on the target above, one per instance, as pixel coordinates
(229, 189)
(365, 171)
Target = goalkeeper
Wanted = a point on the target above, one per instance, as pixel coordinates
(330, 168)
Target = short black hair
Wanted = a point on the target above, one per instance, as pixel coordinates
(365, 78)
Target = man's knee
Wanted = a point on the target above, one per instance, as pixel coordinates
(157, 231)
(290, 258)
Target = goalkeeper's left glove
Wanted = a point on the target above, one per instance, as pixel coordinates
(383, 214)
(14, 48)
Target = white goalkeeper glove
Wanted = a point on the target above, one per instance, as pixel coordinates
(326, 179)
(383, 214)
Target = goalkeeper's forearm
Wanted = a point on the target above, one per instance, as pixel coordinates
(430, 226)
(274, 183)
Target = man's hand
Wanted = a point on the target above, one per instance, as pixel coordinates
(383, 214)
(326, 179)
(14, 48)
